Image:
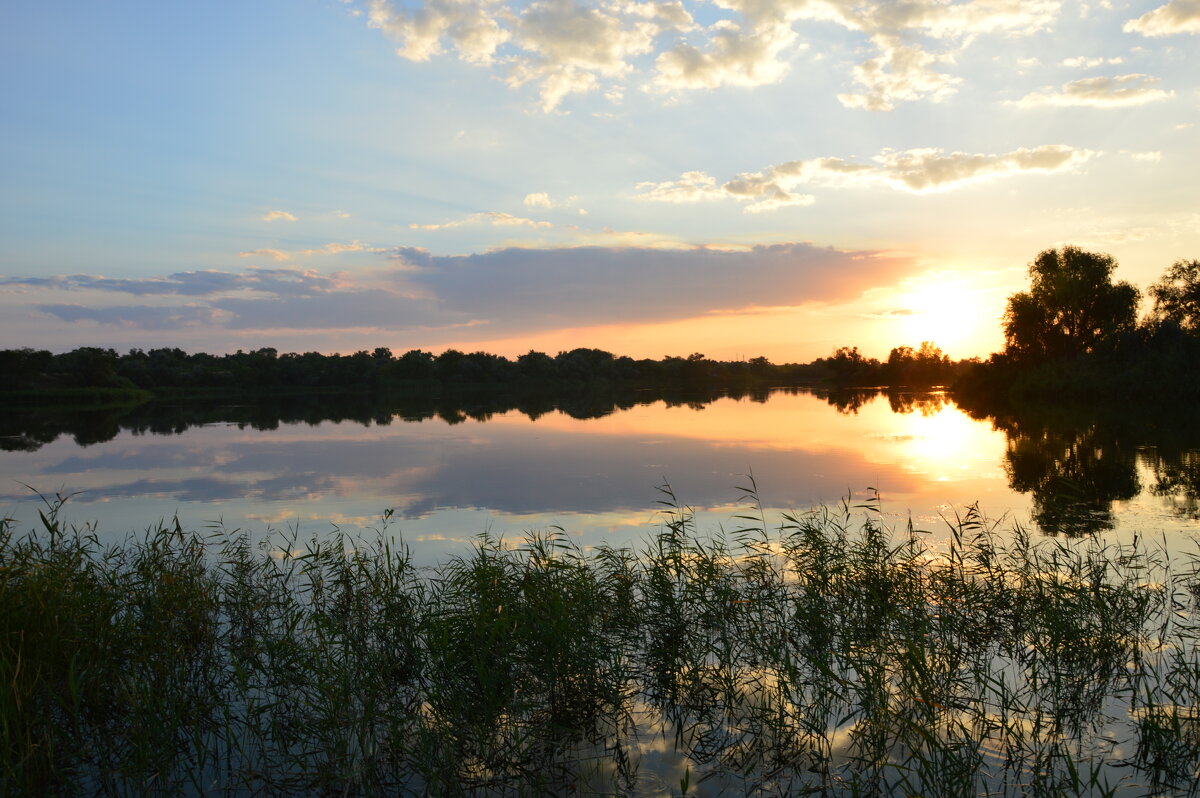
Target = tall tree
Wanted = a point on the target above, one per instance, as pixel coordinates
(1072, 306)
(1177, 295)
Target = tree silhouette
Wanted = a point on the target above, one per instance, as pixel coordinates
(1072, 306)
(1177, 295)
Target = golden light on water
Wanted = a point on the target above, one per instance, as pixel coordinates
(945, 443)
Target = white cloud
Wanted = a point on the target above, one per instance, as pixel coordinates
(1148, 157)
(1177, 16)
(275, 216)
(332, 248)
(468, 25)
(1101, 92)
(567, 46)
(672, 14)
(336, 248)
(539, 199)
(495, 218)
(767, 190)
(928, 170)
(571, 47)
(264, 253)
(917, 171)
(953, 20)
(900, 73)
(1083, 62)
(690, 187)
(733, 58)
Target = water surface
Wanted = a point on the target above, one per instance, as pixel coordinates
(450, 469)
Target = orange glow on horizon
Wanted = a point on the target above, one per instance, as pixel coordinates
(946, 315)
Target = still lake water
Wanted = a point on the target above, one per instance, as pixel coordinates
(452, 474)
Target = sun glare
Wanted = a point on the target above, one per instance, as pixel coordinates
(947, 312)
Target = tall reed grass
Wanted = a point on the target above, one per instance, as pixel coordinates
(818, 654)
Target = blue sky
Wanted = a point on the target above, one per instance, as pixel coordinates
(743, 177)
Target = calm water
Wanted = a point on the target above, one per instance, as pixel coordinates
(450, 472)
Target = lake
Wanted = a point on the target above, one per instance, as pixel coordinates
(450, 469)
(829, 659)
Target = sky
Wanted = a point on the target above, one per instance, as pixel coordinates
(736, 178)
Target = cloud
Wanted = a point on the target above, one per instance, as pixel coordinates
(275, 216)
(332, 248)
(494, 218)
(538, 200)
(526, 289)
(264, 253)
(1148, 157)
(336, 248)
(569, 47)
(732, 58)
(953, 20)
(197, 283)
(1100, 92)
(467, 25)
(690, 187)
(918, 171)
(1177, 16)
(769, 190)
(501, 292)
(927, 170)
(901, 73)
(355, 307)
(1083, 62)
(140, 317)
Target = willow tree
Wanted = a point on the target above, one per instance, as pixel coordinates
(1072, 306)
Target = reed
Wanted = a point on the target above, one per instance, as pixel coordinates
(821, 654)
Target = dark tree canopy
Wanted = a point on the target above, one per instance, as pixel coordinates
(1177, 295)
(1072, 306)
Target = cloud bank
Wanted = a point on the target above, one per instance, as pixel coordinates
(507, 291)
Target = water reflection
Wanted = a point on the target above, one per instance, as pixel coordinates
(1077, 464)
(28, 428)
(454, 464)
(1176, 477)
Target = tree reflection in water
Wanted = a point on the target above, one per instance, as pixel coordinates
(1176, 477)
(1075, 464)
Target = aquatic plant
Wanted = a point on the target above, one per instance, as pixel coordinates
(820, 654)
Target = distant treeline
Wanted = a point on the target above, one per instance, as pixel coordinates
(1075, 336)
(31, 372)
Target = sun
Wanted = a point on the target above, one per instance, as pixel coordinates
(947, 310)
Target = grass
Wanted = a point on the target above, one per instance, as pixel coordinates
(818, 654)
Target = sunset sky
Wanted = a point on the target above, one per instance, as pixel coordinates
(738, 178)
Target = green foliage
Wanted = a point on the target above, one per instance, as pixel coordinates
(1072, 306)
(823, 655)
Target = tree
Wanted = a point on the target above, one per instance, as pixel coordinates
(1072, 306)
(1177, 295)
